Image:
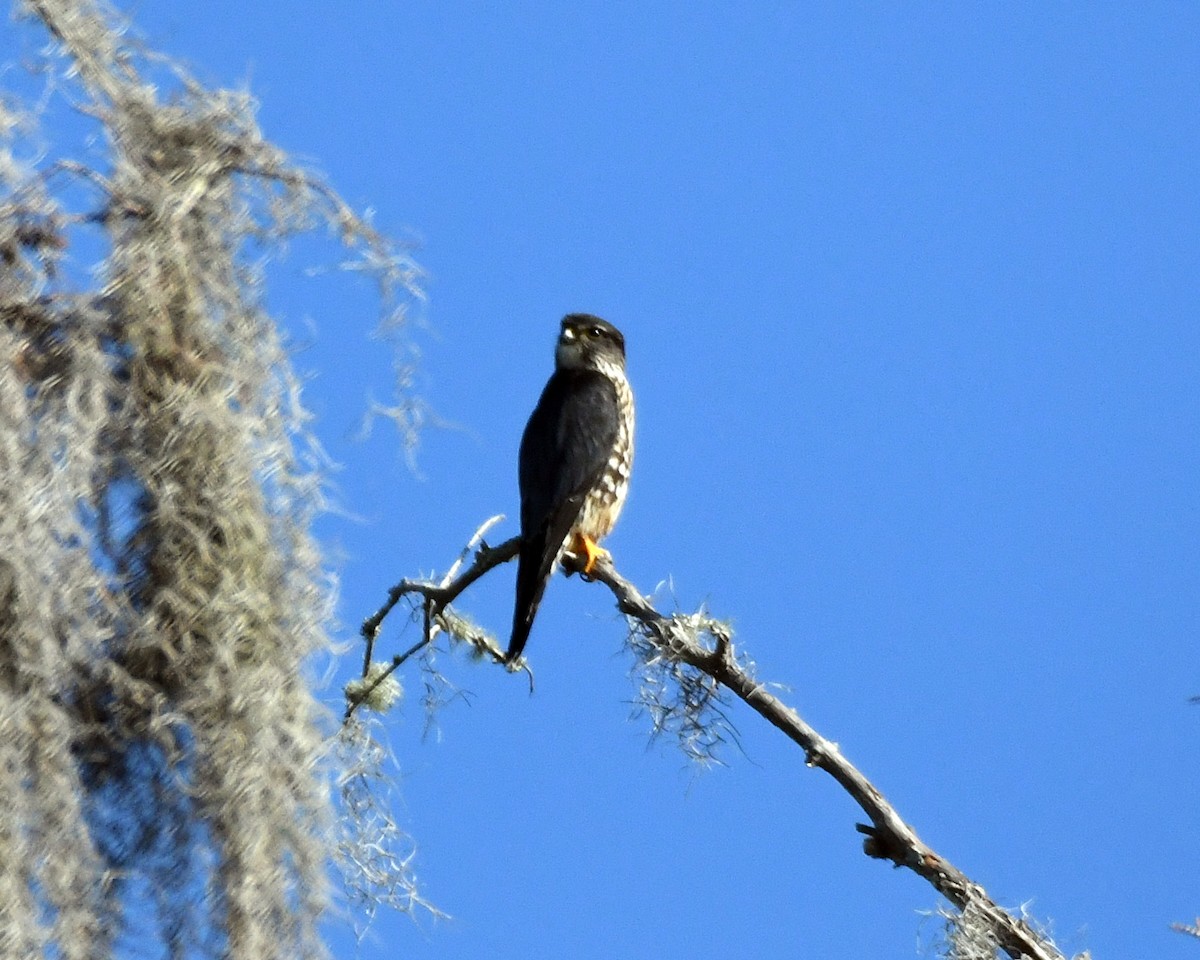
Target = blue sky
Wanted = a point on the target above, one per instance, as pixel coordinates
(910, 297)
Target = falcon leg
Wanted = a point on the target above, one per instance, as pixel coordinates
(592, 551)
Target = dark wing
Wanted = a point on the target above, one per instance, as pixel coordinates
(564, 452)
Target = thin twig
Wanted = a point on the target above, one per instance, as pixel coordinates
(437, 597)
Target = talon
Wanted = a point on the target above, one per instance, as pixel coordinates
(592, 551)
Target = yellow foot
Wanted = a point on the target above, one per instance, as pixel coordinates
(589, 551)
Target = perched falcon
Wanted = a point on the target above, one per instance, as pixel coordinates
(574, 464)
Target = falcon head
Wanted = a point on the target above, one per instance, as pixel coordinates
(589, 343)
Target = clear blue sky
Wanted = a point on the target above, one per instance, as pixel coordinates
(910, 293)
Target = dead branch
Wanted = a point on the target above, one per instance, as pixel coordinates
(676, 637)
(888, 836)
(435, 601)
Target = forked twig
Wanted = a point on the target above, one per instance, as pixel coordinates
(437, 597)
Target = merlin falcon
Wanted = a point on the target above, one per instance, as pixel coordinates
(576, 454)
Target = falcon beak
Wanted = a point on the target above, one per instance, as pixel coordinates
(568, 353)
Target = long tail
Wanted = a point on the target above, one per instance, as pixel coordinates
(534, 569)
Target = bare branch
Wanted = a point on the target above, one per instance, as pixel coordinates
(679, 638)
(888, 836)
(1191, 929)
(436, 615)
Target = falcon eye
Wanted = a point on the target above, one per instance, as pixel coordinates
(595, 332)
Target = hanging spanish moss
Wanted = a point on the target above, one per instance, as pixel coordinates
(160, 593)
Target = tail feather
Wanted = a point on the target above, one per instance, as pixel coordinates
(540, 547)
(533, 574)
